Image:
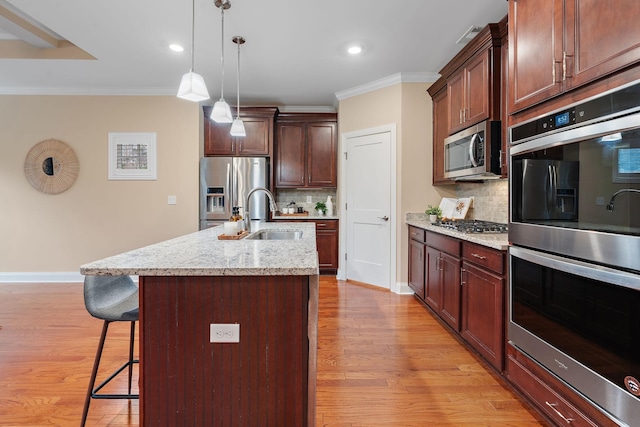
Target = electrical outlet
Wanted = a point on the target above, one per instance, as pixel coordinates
(309, 199)
(599, 201)
(224, 332)
(172, 200)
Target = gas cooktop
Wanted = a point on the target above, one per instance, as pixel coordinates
(473, 226)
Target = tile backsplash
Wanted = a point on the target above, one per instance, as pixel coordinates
(284, 196)
(491, 200)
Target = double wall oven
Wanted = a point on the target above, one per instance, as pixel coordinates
(575, 255)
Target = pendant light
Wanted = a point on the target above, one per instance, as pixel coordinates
(221, 112)
(192, 87)
(237, 128)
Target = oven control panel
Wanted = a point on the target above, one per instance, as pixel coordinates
(604, 107)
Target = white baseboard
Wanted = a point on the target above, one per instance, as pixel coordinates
(401, 288)
(45, 277)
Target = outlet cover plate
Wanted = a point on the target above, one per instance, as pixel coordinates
(224, 332)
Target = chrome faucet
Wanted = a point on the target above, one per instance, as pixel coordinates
(272, 205)
(624, 190)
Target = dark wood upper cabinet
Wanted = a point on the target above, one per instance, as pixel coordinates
(559, 45)
(258, 123)
(469, 93)
(306, 152)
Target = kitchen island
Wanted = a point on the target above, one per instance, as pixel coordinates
(268, 287)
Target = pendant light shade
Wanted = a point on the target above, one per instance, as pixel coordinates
(221, 112)
(237, 128)
(192, 86)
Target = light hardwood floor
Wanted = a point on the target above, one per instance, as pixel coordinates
(383, 360)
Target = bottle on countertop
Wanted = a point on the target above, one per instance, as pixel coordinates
(329, 206)
(236, 217)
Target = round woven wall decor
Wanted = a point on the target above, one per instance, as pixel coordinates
(51, 166)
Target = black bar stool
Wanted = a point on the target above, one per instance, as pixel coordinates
(112, 299)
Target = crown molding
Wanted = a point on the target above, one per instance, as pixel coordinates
(115, 91)
(415, 77)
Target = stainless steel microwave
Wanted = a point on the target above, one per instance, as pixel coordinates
(473, 153)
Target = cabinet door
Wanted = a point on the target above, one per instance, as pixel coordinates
(290, 155)
(416, 267)
(450, 309)
(256, 143)
(601, 37)
(535, 51)
(477, 90)
(327, 243)
(322, 155)
(433, 282)
(455, 99)
(440, 132)
(483, 313)
(217, 139)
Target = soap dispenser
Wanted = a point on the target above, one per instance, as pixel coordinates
(329, 206)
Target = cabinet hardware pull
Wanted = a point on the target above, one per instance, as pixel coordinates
(441, 264)
(565, 55)
(460, 118)
(386, 218)
(478, 256)
(553, 69)
(553, 406)
(320, 224)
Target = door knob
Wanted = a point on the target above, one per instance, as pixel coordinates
(386, 218)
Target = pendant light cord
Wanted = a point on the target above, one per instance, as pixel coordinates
(238, 83)
(193, 38)
(222, 55)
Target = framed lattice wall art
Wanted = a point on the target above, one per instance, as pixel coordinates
(132, 156)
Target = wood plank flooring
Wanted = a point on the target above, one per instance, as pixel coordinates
(383, 360)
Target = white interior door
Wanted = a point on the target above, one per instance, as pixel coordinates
(368, 209)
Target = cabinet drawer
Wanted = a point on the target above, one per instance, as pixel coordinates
(443, 243)
(416, 234)
(544, 397)
(329, 224)
(485, 257)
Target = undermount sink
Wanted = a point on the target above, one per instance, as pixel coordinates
(276, 235)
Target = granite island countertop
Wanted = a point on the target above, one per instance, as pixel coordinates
(203, 254)
(498, 241)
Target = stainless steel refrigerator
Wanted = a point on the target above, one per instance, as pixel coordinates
(549, 189)
(225, 183)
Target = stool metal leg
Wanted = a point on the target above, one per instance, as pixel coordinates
(92, 392)
(94, 372)
(131, 361)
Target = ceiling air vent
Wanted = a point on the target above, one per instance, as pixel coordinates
(469, 35)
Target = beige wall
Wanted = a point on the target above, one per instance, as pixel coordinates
(408, 106)
(96, 217)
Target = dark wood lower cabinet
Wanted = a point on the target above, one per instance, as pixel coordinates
(327, 243)
(552, 398)
(188, 381)
(483, 308)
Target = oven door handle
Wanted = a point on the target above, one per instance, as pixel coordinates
(472, 150)
(551, 190)
(579, 268)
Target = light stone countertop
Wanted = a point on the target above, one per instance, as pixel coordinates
(498, 241)
(202, 254)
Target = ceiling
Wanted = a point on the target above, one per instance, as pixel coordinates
(294, 55)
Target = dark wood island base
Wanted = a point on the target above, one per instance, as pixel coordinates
(266, 379)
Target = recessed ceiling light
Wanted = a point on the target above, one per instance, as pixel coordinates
(176, 47)
(355, 49)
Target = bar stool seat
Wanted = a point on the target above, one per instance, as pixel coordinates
(111, 299)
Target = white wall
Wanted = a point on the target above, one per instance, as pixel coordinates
(96, 217)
